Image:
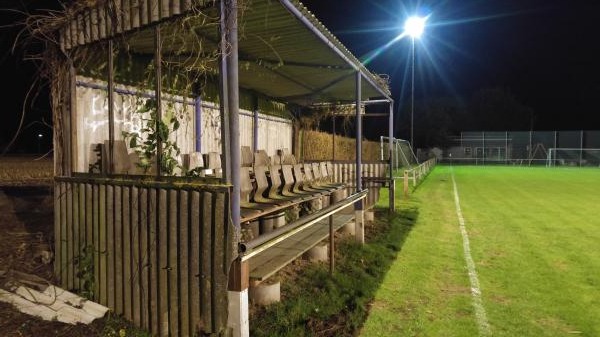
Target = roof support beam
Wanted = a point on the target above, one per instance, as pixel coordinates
(358, 67)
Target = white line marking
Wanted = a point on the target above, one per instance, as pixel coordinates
(482, 321)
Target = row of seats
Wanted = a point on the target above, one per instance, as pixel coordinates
(273, 184)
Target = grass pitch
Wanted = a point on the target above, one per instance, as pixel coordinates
(535, 239)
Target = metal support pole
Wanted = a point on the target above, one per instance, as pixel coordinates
(506, 147)
(359, 215)
(392, 184)
(111, 109)
(483, 159)
(198, 123)
(158, 94)
(224, 97)
(412, 97)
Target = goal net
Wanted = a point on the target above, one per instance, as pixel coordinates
(404, 155)
(573, 157)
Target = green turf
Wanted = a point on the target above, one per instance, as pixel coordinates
(535, 240)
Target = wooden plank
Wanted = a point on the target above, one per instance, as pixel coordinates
(164, 8)
(163, 299)
(267, 263)
(206, 263)
(76, 236)
(126, 14)
(186, 5)
(70, 238)
(154, 10)
(135, 13)
(173, 270)
(194, 268)
(143, 265)
(183, 268)
(127, 251)
(154, 270)
(135, 255)
(144, 12)
(94, 24)
(175, 10)
(117, 23)
(102, 22)
(219, 259)
(119, 281)
(103, 296)
(110, 247)
(82, 226)
(96, 238)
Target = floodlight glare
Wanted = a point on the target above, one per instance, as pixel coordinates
(414, 26)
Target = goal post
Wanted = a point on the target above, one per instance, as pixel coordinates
(404, 155)
(573, 157)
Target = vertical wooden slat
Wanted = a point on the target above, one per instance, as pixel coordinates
(119, 280)
(126, 15)
(82, 227)
(96, 236)
(87, 18)
(94, 24)
(163, 300)
(80, 29)
(127, 260)
(194, 268)
(144, 11)
(186, 5)
(70, 234)
(164, 8)
(220, 267)
(143, 264)
(175, 7)
(102, 22)
(206, 271)
(183, 267)
(173, 268)
(135, 255)
(76, 236)
(102, 237)
(110, 247)
(58, 244)
(117, 17)
(154, 10)
(154, 270)
(135, 13)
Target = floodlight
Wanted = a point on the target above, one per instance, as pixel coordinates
(414, 26)
(40, 135)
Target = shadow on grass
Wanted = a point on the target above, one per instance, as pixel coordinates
(315, 303)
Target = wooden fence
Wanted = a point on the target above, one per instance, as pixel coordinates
(345, 172)
(157, 253)
(417, 174)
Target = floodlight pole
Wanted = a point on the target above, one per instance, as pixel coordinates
(412, 96)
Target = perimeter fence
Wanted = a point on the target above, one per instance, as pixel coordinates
(549, 148)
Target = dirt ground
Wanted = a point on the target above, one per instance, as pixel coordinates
(26, 241)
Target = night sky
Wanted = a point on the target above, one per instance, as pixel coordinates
(546, 53)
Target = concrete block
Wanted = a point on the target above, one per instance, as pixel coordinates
(318, 253)
(264, 294)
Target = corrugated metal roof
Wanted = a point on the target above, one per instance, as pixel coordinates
(284, 51)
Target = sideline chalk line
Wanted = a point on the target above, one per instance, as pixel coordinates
(482, 321)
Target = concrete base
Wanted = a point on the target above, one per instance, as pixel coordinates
(359, 226)
(271, 221)
(237, 320)
(264, 294)
(349, 228)
(318, 253)
(250, 231)
(370, 215)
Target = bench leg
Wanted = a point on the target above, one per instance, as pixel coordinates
(238, 320)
